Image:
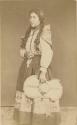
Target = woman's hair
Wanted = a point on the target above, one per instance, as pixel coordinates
(40, 14)
(37, 40)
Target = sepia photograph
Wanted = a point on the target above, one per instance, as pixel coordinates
(38, 62)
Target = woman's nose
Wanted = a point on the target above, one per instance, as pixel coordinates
(32, 20)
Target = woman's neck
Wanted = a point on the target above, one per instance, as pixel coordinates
(35, 28)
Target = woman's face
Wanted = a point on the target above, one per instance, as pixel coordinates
(34, 20)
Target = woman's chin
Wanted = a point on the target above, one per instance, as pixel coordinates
(33, 26)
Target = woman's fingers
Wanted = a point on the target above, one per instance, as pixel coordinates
(42, 80)
(42, 77)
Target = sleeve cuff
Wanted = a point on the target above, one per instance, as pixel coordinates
(43, 69)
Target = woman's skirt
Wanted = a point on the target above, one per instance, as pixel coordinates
(37, 111)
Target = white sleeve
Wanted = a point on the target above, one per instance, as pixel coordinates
(46, 55)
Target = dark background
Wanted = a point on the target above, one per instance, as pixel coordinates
(61, 15)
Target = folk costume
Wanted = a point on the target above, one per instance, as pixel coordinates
(37, 58)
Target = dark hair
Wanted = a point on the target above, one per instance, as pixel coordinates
(37, 40)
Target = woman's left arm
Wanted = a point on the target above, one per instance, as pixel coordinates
(46, 53)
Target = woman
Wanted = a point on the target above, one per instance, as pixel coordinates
(36, 50)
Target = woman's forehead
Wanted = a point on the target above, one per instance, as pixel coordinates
(34, 14)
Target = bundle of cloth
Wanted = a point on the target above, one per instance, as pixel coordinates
(51, 89)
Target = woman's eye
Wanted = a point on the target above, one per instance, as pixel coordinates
(33, 17)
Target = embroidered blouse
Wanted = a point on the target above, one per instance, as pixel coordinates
(44, 46)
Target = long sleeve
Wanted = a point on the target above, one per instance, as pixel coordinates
(45, 48)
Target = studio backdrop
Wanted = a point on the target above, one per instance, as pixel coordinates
(61, 15)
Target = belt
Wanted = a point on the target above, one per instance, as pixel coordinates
(31, 55)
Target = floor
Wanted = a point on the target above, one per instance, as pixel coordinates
(68, 116)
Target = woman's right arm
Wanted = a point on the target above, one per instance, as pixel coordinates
(22, 48)
(22, 52)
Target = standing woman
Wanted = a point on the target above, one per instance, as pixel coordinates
(36, 50)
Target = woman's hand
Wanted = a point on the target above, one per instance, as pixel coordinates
(22, 52)
(42, 77)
